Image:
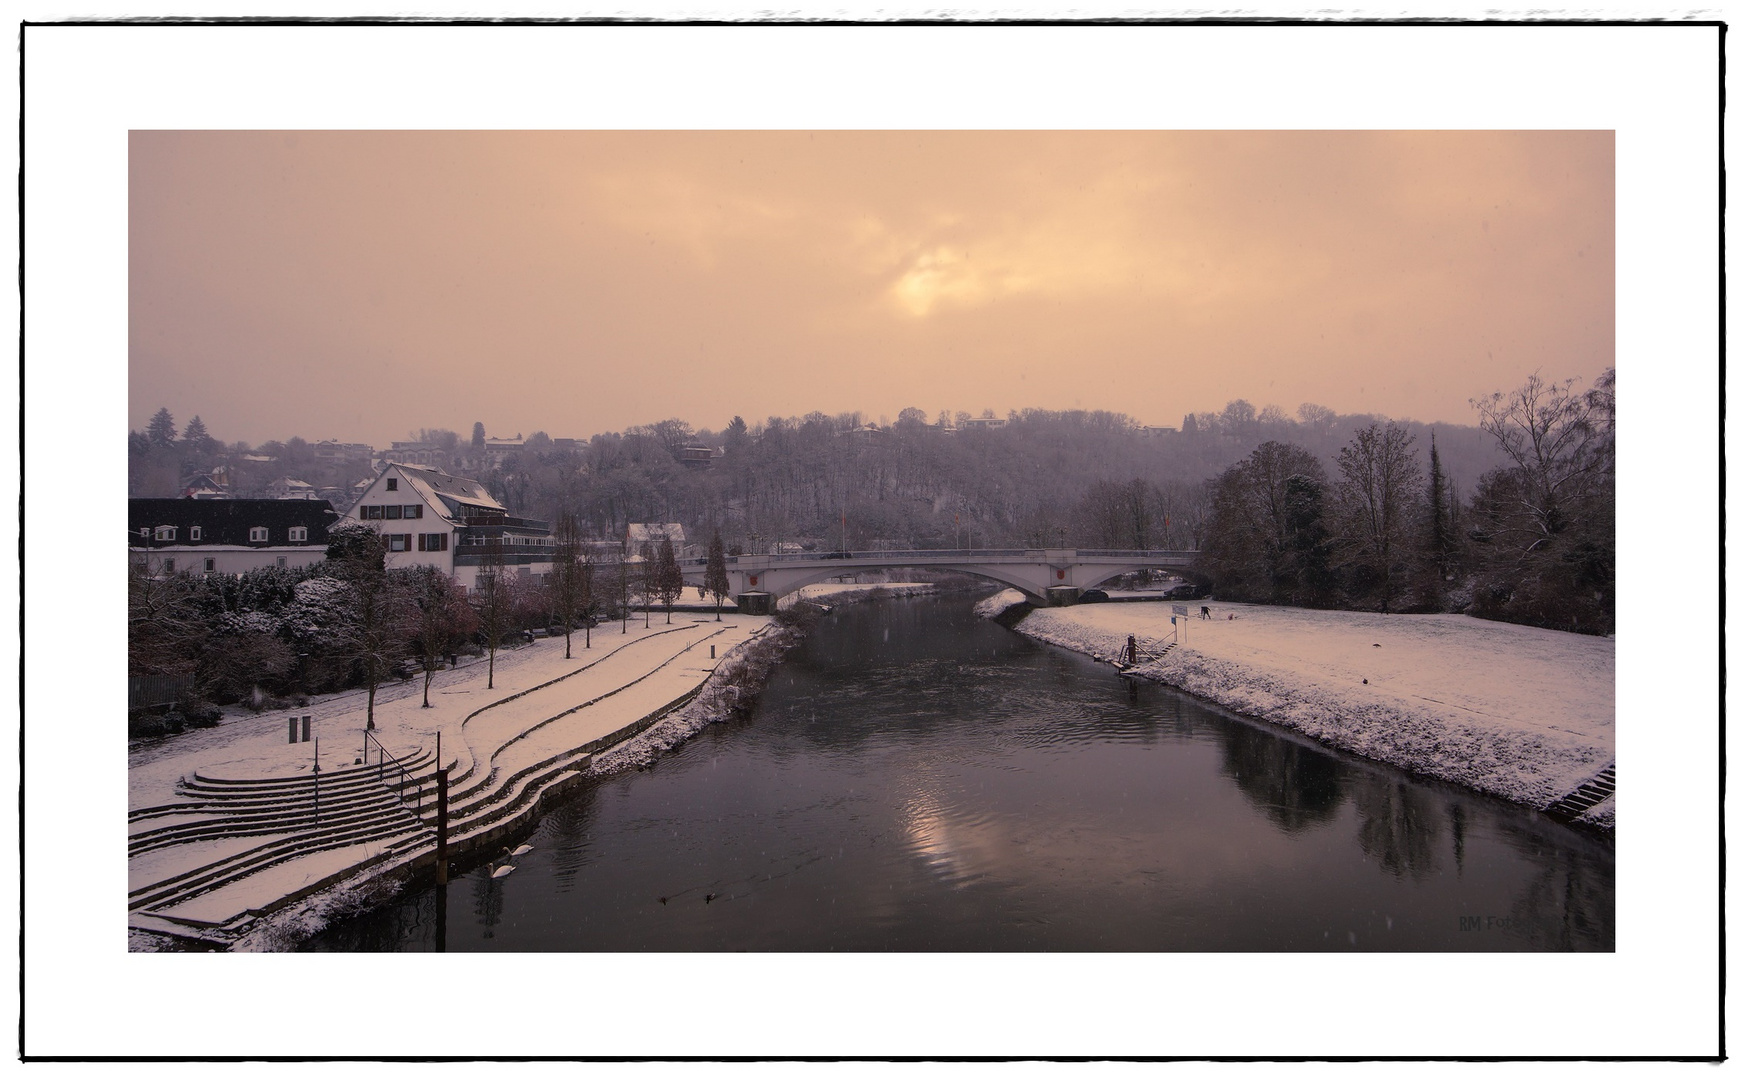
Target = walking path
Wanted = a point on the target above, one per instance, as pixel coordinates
(229, 824)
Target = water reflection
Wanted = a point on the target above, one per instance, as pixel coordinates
(1397, 826)
(917, 779)
(1294, 785)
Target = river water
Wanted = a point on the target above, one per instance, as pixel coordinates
(918, 779)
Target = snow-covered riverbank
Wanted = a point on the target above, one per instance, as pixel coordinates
(1513, 711)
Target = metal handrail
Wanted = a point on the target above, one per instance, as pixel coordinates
(383, 760)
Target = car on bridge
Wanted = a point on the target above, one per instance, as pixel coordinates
(837, 555)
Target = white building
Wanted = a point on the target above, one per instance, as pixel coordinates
(429, 518)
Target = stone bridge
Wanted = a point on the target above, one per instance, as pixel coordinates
(1051, 576)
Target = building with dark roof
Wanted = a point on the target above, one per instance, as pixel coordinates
(226, 536)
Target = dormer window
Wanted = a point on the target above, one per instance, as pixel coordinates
(195, 532)
(257, 534)
(299, 534)
(165, 532)
(393, 484)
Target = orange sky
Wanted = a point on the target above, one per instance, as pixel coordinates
(357, 285)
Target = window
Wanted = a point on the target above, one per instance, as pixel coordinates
(166, 532)
(281, 562)
(432, 541)
(413, 511)
(195, 532)
(392, 513)
(169, 566)
(257, 534)
(399, 541)
(371, 513)
(299, 533)
(211, 565)
(393, 484)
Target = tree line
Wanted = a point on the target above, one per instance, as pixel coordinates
(353, 621)
(1384, 530)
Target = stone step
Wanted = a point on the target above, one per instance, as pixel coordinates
(189, 884)
(289, 820)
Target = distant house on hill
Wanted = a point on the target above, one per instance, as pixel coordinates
(429, 518)
(973, 423)
(226, 536)
(205, 487)
(424, 455)
(286, 487)
(653, 533)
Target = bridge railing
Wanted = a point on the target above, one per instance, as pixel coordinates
(941, 555)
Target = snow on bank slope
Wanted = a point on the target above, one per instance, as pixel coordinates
(1514, 711)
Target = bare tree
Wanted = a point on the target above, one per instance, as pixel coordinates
(1544, 529)
(645, 580)
(494, 601)
(441, 620)
(1560, 442)
(375, 642)
(1379, 478)
(669, 580)
(566, 576)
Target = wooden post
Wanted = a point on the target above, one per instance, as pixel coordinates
(441, 815)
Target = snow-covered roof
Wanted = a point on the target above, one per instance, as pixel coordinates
(439, 489)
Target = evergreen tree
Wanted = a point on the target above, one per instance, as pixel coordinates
(478, 435)
(715, 573)
(1438, 533)
(162, 429)
(195, 435)
(669, 580)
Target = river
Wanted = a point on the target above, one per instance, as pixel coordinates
(915, 778)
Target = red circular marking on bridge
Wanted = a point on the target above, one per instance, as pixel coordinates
(754, 580)
(1060, 575)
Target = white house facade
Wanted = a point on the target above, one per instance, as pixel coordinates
(429, 518)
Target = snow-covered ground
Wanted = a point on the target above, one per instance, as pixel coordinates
(1514, 711)
(540, 707)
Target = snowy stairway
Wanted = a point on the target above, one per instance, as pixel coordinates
(1145, 657)
(188, 884)
(215, 809)
(1584, 798)
(356, 806)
